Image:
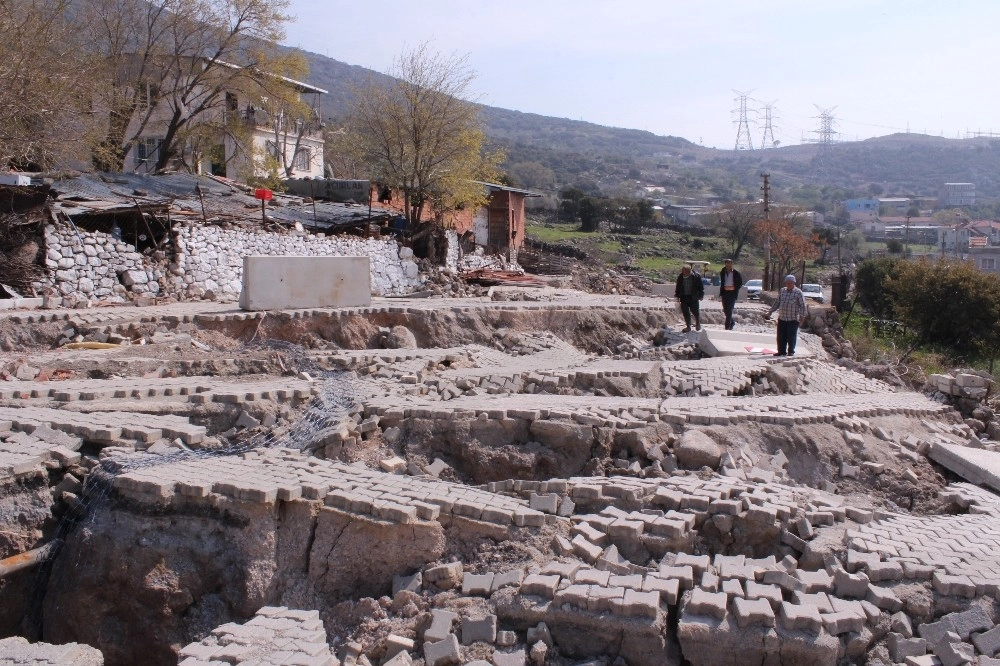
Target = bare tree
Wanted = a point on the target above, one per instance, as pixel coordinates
(736, 224)
(44, 86)
(419, 134)
(289, 115)
(170, 63)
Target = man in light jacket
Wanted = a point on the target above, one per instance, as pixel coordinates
(791, 308)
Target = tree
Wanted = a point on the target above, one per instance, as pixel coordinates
(790, 241)
(278, 99)
(590, 211)
(569, 203)
(950, 303)
(418, 134)
(736, 224)
(171, 63)
(44, 86)
(871, 283)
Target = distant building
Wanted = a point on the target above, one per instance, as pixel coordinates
(861, 210)
(894, 206)
(958, 194)
(987, 259)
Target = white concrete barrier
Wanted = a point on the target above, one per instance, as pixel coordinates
(741, 343)
(276, 283)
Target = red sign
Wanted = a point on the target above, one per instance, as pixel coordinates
(263, 195)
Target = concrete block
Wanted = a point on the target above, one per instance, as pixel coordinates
(850, 585)
(843, 621)
(441, 621)
(711, 604)
(901, 647)
(282, 283)
(753, 612)
(540, 632)
(953, 652)
(477, 584)
(988, 642)
(515, 658)
(395, 645)
(443, 653)
(411, 583)
(801, 617)
(479, 629)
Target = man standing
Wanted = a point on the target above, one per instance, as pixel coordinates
(791, 307)
(730, 282)
(689, 291)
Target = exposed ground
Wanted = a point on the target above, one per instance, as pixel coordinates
(516, 478)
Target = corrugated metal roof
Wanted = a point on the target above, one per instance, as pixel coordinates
(106, 193)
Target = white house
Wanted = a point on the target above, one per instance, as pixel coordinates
(295, 141)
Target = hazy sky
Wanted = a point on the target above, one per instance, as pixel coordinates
(671, 66)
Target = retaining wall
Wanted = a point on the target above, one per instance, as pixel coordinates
(97, 266)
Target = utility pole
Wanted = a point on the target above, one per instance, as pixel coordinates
(766, 188)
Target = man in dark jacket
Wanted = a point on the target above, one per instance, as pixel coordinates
(730, 282)
(689, 291)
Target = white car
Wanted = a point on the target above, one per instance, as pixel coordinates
(813, 291)
(753, 289)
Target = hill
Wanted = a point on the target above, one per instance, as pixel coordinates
(548, 153)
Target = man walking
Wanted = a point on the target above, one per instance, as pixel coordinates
(730, 282)
(791, 307)
(689, 291)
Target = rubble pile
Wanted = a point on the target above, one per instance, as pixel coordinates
(476, 481)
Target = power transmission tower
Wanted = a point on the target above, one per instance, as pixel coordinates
(767, 140)
(826, 133)
(743, 140)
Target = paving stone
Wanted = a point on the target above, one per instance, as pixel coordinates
(850, 585)
(479, 629)
(900, 623)
(801, 618)
(884, 598)
(441, 625)
(515, 658)
(540, 632)
(953, 652)
(711, 604)
(752, 612)
(901, 647)
(477, 584)
(843, 622)
(443, 652)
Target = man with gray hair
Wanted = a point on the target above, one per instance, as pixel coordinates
(791, 307)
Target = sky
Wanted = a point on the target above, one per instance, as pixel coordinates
(678, 67)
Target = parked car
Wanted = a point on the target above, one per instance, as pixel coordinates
(753, 289)
(813, 291)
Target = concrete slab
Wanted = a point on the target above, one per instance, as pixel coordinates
(978, 466)
(716, 342)
(275, 283)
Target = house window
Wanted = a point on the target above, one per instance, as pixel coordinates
(987, 264)
(147, 149)
(303, 159)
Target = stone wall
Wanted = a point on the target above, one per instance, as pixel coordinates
(95, 265)
(98, 266)
(211, 258)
